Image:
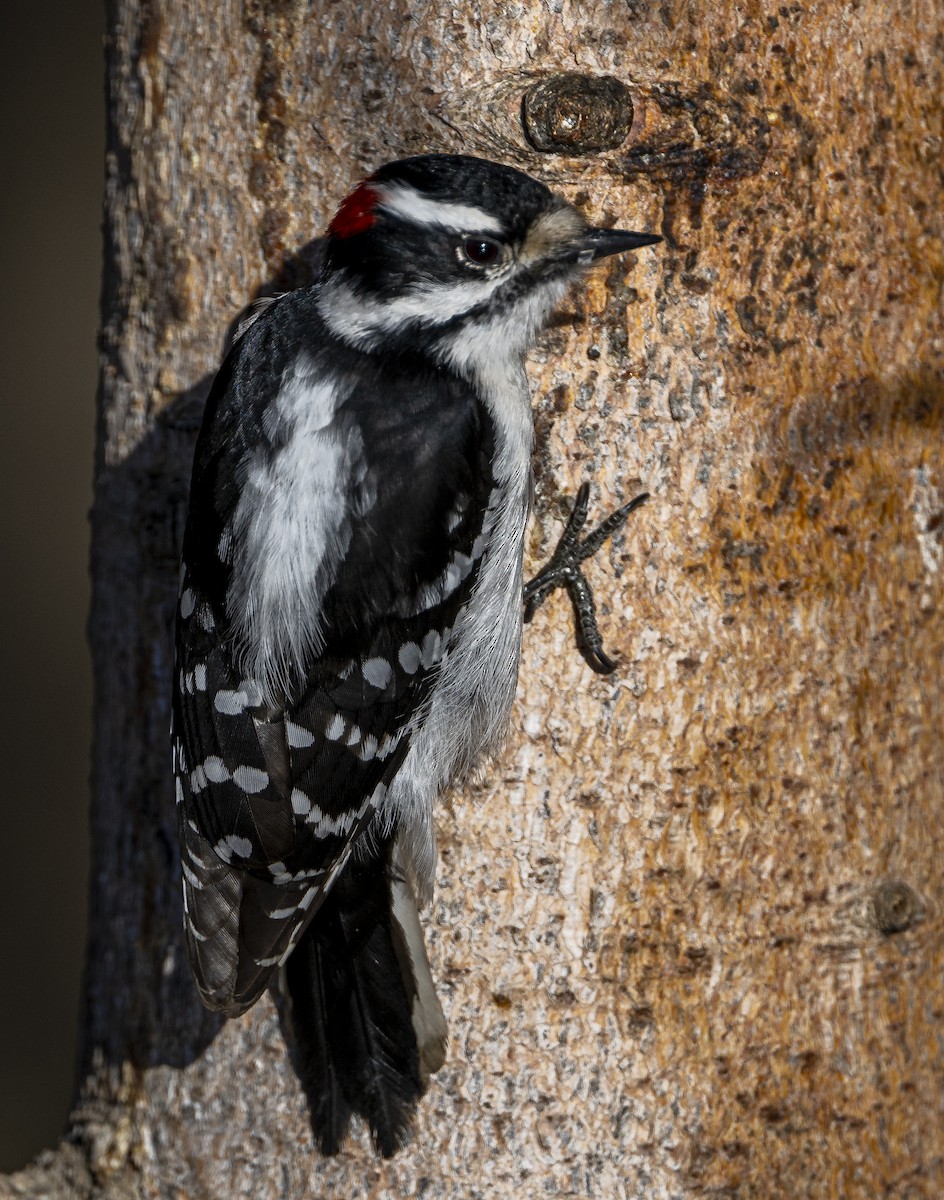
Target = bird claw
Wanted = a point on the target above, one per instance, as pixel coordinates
(563, 570)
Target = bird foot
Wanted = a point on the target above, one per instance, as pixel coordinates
(563, 570)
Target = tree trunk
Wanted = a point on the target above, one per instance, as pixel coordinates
(688, 928)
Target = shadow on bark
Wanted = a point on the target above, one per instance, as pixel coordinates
(141, 1006)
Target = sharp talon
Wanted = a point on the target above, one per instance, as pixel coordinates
(602, 663)
(563, 570)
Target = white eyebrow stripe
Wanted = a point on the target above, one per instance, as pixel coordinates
(405, 201)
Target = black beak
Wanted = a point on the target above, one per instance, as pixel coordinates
(600, 243)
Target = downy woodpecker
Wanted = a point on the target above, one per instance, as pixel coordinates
(350, 613)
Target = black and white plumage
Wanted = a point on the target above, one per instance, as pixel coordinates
(350, 613)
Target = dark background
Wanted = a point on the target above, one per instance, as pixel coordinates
(52, 90)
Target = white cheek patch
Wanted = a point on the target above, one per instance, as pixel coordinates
(481, 349)
(361, 321)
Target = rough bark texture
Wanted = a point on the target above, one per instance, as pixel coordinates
(689, 927)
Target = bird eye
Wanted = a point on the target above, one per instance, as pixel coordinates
(481, 250)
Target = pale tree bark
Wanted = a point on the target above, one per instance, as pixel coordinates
(688, 928)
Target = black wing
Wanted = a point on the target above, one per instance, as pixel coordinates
(275, 791)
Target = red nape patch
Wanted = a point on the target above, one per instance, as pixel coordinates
(356, 212)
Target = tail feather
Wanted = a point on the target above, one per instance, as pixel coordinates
(353, 983)
(308, 986)
(429, 1021)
